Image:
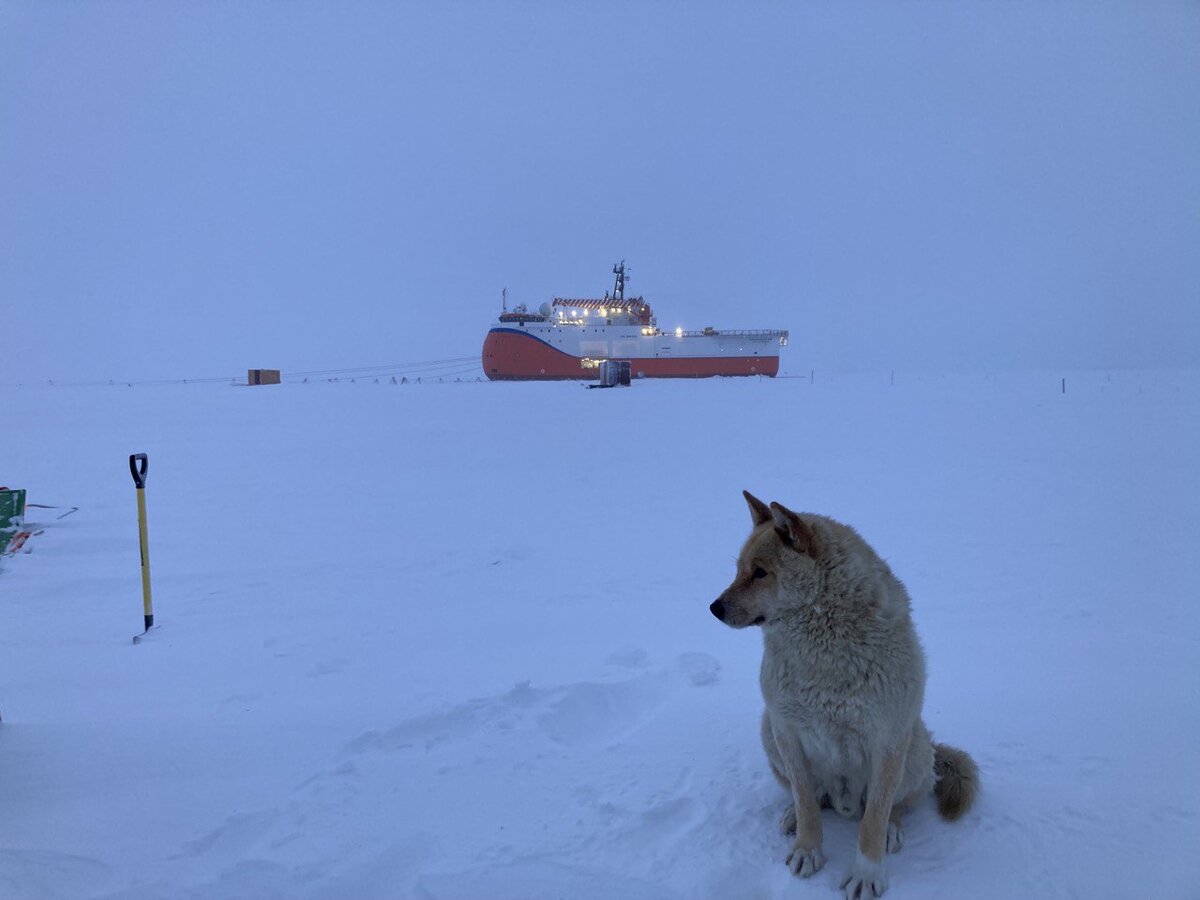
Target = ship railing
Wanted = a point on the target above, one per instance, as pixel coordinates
(733, 332)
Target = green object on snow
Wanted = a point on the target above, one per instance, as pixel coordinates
(12, 511)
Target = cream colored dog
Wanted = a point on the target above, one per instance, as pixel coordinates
(843, 677)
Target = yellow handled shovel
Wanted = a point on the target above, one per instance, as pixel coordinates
(138, 464)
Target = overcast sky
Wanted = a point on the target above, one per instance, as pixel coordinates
(192, 189)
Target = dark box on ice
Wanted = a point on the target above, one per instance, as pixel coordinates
(263, 376)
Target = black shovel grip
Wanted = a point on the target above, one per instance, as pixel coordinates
(138, 464)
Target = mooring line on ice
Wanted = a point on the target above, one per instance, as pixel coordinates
(450, 366)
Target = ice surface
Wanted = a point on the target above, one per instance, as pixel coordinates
(453, 641)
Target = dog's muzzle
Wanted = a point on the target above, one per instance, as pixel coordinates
(718, 609)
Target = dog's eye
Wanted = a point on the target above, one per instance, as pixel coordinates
(760, 572)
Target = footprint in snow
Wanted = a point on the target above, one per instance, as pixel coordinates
(235, 833)
(629, 657)
(700, 668)
(572, 715)
(328, 667)
(46, 873)
(426, 731)
(592, 713)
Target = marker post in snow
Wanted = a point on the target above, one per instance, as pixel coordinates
(138, 464)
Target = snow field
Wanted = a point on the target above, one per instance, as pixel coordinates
(452, 641)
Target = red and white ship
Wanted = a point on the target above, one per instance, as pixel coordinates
(568, 339)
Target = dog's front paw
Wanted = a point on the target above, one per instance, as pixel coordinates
(787, 822)
(866, 880)
(895, 838)
(805, 861)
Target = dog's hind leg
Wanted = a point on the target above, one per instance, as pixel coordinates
(895, 831)
(914, 786)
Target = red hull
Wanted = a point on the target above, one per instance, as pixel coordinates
(508, 356)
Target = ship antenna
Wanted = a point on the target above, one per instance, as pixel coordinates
(619, 289)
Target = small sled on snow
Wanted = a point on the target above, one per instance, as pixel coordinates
(15, 531)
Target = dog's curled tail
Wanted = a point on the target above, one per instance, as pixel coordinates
(957, 781)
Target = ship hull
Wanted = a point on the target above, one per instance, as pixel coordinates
(521, 354)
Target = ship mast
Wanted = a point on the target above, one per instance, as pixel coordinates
(619, 289)
(504, 300)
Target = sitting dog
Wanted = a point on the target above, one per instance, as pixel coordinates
(843, 677)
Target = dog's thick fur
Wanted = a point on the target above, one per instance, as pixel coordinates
(843, 677)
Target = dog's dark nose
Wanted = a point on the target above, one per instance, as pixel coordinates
(718, 609)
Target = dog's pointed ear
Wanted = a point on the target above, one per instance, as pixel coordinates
(759, 511)
(795, 532)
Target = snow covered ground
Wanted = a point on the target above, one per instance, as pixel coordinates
(453, 640)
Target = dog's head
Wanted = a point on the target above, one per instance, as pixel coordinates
(776, 569)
